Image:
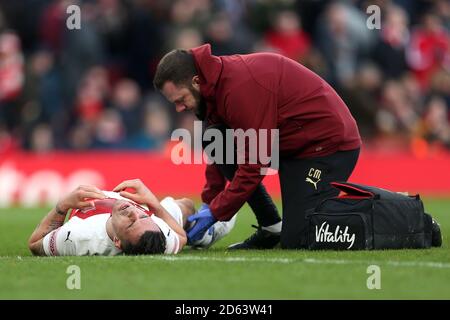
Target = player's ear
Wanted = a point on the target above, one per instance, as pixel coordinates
(196, 82)
(117, 243)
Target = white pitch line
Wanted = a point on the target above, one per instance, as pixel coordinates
(224, 259)
(413, 264)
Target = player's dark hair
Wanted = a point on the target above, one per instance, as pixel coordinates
(151, 242)
(177, 66)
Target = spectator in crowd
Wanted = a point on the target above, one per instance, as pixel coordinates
(42, 100)
(343, 39)
(126, 100)
(156, 127)
(186, 39)
(287, 37)
(361, 97)
(397, 115)
(110, 130)
(80, 136)
(440, 86)
(435, 125)
(62, 85)
(42, 139)
(389, 51)
(442, 9)
(11, 77)
(429, 49)
(90, 99)
(220, 34)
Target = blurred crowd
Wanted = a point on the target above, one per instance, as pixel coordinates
(91, 88)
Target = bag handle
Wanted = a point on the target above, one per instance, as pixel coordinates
(353, 190)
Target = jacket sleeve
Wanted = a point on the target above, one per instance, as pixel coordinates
(250, 106)
(215, 183)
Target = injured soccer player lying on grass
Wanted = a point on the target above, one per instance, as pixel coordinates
(129, 220)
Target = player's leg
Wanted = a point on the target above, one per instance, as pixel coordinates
(304, 184)
(216, 232)
(181, 209)
(187, 207)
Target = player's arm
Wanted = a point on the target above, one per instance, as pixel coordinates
(77, 199)
(52, 221)
(143, 195)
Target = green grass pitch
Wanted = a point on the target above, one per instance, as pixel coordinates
(219, 274)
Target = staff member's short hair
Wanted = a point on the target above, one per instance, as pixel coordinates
(177, 66)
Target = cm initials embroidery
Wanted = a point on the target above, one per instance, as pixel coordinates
(313, 177)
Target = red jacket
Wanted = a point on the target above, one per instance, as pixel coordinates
(269, 91)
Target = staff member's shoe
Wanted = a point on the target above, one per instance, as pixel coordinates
(436, 236)
(261, 239)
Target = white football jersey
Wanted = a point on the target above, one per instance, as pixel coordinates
(79, 237)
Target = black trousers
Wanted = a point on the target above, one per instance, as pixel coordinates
(304, 184)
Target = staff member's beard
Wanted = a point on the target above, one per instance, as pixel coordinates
(200, 111)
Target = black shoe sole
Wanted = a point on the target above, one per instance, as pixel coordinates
(436, 236)
(244, 246)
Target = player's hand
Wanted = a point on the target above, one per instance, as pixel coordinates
(80, 198)
(140, 193)
(203, 219)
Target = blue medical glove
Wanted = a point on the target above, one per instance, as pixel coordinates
(203, 219)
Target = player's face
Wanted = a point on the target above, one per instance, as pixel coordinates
(130, 222)
(184, 98)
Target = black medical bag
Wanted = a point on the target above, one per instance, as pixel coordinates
(365, 218)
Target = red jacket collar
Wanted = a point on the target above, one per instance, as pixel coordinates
(209, 68)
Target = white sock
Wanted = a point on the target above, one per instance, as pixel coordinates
(275, 228)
